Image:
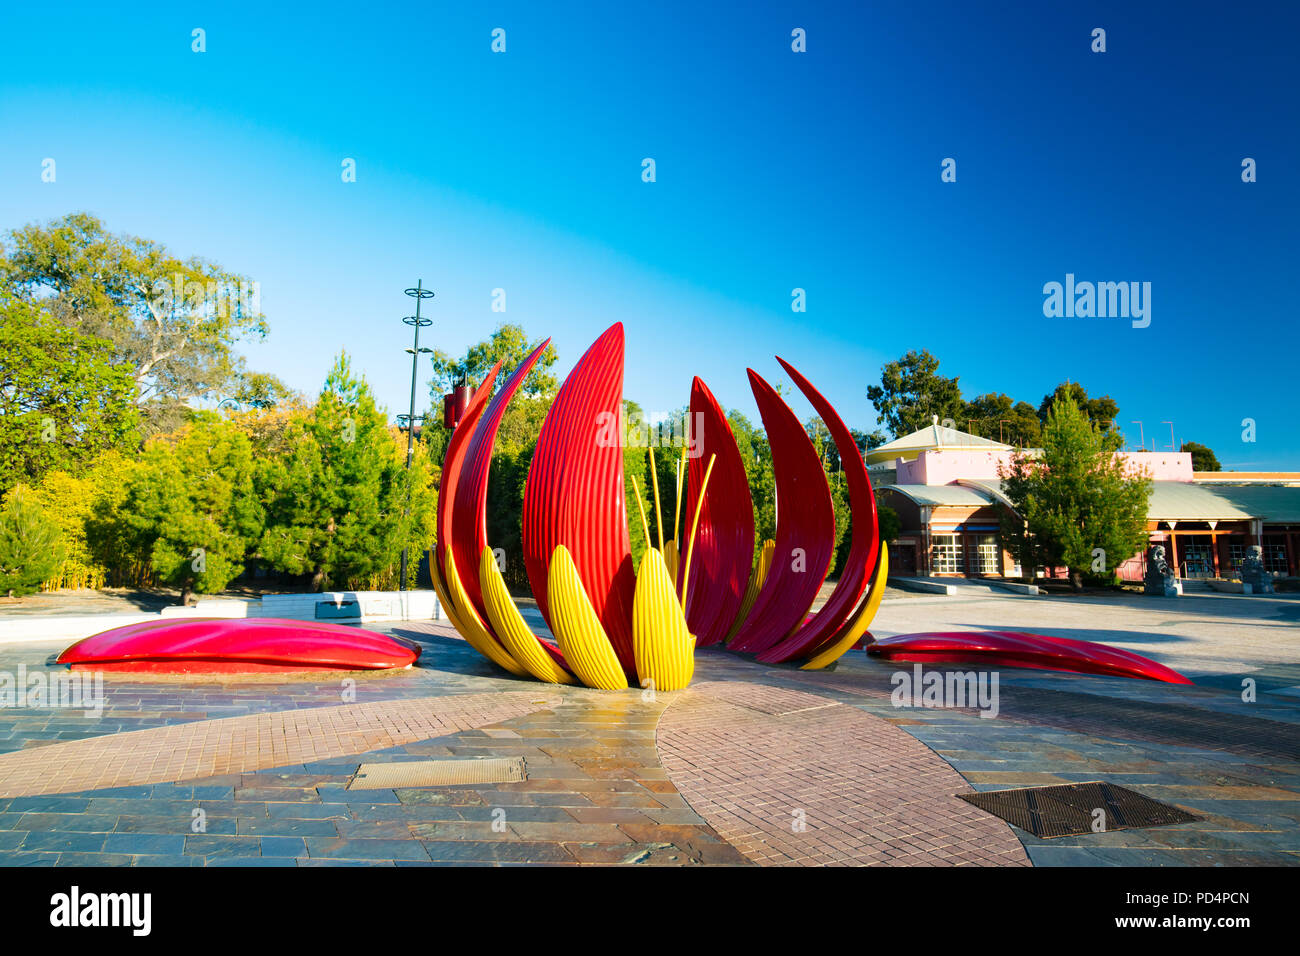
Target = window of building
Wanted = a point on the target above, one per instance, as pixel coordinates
(1275, 554)
(985, 559)
(946, 554)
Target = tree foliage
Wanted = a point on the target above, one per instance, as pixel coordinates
(172, 323)
(62, 400)
(912, 392)
(1203, 457)
(31, 548)
(1077, 506)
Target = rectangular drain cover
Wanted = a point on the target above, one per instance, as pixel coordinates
(437, 773)
(1070, 809)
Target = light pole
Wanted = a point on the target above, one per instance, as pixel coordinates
(418, 293)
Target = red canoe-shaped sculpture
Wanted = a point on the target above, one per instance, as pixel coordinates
(1021, 649)
(238, 646)
(724, 540)
(574, 493)
(805, 528)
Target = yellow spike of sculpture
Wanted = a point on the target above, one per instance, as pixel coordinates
(756, 580)
(516, 637)
(471, 626)
(670, 558)
(577, 628)
(664, 647)
(842, 643)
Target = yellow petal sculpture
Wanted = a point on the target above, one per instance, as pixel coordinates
(664, 647)
(516, 637)
(578, 630)
(471, 625)
(755, 584)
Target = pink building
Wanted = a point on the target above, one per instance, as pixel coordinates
(945, 487)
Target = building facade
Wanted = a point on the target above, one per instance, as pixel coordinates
(945, 486)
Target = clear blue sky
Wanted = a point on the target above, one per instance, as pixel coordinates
(775, 170)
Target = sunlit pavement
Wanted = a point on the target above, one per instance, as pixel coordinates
(751, 765)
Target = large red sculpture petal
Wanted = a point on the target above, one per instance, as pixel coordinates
(1022, 649)
(238, 645)
(864, 546)
(723, 554)
(805, 527)
(469, 531)
(451, 466)
(574, 495)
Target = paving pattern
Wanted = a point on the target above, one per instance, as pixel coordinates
(791, 778)
(619, 778)
(208, 748)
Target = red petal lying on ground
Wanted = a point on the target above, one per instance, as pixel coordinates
(238, 645)
(1021, 649)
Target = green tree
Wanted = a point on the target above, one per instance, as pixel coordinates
(31, 548)
(1203, 457)
(337, 502)
(192, 508)
(172, 322)
(887, 522)
(1103, 411)
(998, 417)
(62, 400)
(911, 392)
(1077, 506)
(509, 345)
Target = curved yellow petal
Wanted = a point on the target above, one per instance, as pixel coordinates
(671, 560)
(516, 637)
(577, 628)
(471, 626)
(661, 641)
(756, 580)
(440, 587)
(857, 625)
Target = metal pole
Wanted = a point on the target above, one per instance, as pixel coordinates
(418, 293)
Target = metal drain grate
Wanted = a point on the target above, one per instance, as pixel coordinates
(1070, 809)
(437, 773)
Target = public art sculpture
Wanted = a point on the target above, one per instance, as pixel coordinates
(615, 625)
(1253, 573)
(238, 646)
(1159, 578)
(1022, 649)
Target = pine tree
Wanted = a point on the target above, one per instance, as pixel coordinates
(1077, 506)
(31, 549)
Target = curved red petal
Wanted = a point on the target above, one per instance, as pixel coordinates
(864, 545)
(723, 554)
(469, 533)
(451, 466)
(1023, 649)
(805, 527)
(574, 494)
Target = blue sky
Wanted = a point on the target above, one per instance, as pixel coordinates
(775, 170)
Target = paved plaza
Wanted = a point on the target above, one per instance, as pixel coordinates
(751, 765)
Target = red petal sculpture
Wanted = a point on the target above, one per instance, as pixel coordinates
(724, 540)
(238, 646)
(1021, 649)
(451, 465)
(574, 494)
(805, 521)
(469, 533)
(865, 544)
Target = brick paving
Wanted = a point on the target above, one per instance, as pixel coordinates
(598, 791)
(791, 778)
(208, 748)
